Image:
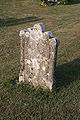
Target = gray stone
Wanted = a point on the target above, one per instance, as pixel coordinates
(38, 56)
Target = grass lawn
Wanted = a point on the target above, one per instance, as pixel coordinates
(23, 102)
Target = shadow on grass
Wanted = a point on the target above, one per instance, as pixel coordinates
(14, 21)
(74, 2)
(67, 73)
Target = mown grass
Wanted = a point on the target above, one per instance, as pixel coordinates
(22, 101)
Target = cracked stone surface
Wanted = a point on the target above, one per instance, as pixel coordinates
(38, 56)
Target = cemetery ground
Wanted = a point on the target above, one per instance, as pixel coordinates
(18, 102)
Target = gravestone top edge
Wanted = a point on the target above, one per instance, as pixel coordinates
(38, 31)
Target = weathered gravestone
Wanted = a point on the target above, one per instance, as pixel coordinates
(38, 56)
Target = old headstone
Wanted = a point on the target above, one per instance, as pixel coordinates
(38, 56)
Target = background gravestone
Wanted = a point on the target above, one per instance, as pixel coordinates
(38, 56)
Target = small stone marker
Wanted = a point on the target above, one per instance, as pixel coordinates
(38, 56)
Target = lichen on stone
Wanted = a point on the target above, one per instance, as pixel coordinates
(38, 56)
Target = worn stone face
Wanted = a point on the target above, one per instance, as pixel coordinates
(38, 56)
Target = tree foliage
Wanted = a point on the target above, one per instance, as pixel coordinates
(64, 2)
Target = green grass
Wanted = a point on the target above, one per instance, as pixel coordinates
(18, 102)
